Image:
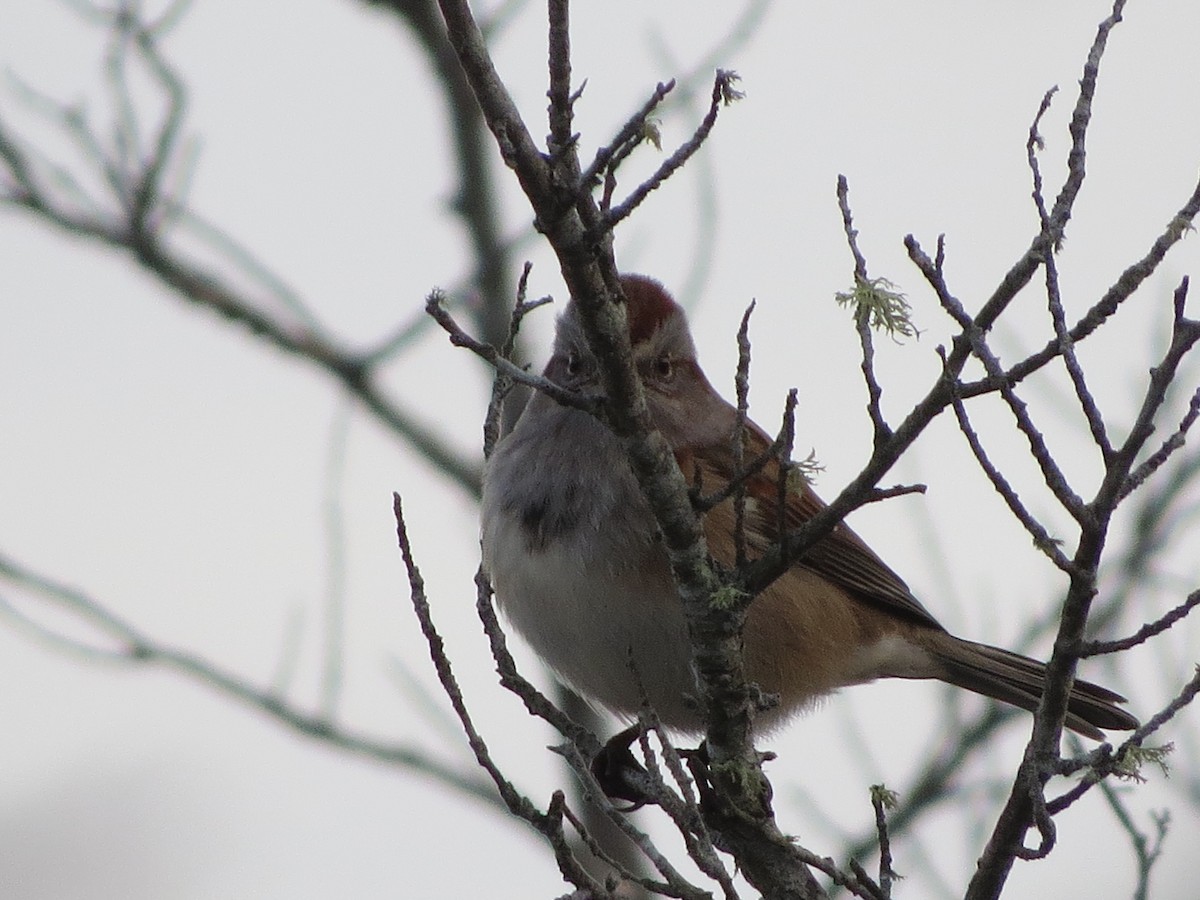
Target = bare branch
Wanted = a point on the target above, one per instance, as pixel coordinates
(1032, 146)
(741, 381)
(549, 824)
(861, 318)
(536, 703)
(130, 646)
(459, 338)
(1184, 335)
(723, 93)
(1121, 290)
(896, 490)
(560, 76)
(501, 384)
(1169, 446)
(788, 470)
(882, 800)
(629, 136)
(1104, 761)
(1147, 631)
(1066, 349)
(859, 883)
(1041, 537)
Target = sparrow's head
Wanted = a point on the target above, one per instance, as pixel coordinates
(658, 333)
(679, 395)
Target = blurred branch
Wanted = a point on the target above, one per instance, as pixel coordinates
(124, 643)
(1146, 850)
(142, 206)
(475, 201)
(334, 631)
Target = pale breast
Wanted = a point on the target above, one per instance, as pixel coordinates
(578, 569)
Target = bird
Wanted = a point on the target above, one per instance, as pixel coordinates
(579, 569)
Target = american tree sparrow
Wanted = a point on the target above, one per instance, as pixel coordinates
(578, 567)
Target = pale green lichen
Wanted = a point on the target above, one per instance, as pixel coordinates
(886, 308)
(883, 795)
(803, 471)
(652, 133)
(1179, 227)
(1129, 763)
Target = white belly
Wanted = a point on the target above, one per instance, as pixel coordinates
(595, 622)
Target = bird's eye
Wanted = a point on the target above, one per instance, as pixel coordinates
(573, 363)
(664, 367)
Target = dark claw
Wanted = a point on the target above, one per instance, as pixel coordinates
(618, 772)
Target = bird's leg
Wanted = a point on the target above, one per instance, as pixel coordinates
(620, 775)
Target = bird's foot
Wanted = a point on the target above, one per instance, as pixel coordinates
(620, 775)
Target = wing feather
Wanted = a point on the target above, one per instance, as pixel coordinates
(843, 557)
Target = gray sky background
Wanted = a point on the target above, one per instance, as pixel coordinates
(174, 468)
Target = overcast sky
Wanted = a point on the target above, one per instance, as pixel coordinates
(175, 468)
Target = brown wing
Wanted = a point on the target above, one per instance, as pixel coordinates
(843, 557)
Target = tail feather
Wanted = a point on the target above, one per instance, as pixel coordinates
(1019, 680)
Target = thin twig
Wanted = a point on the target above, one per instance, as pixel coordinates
(629, 135)
(881, 800)
(1169, 446)
(1041, 537)
(741, 381)
(434, 305)
(1104, 761)
(549, 823)
(862, 318)
(502, 384)
(702, 502)
(723, 93)
(785, 443)
(1066, 350)
(1032, 146)
(676, 885)
(1143, 634)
